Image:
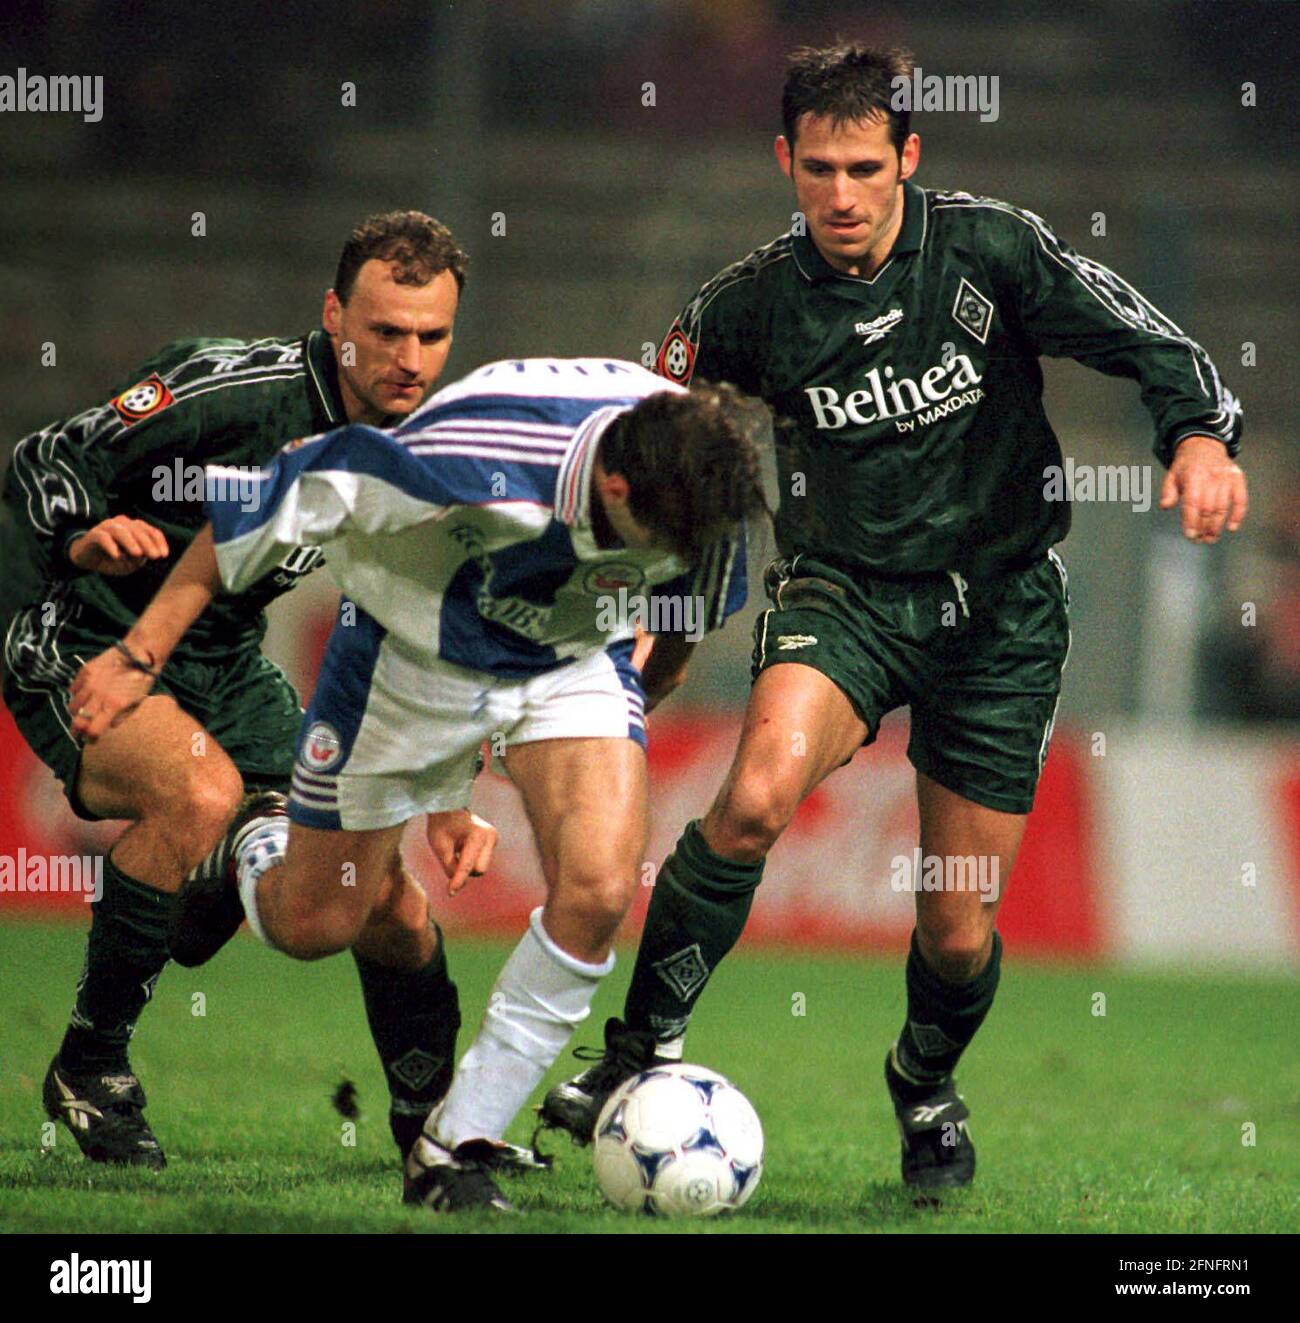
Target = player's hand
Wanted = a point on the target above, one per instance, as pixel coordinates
(104, 693)
(118, 546)
(642, 648)
(1211, 487)
(463, 843)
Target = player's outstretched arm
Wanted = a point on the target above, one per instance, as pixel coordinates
(114, 684)
(1210, 487)
(1075, 307)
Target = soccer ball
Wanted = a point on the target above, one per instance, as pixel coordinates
(679, 1141)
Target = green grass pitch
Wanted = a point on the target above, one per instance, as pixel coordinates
(1132, 1121)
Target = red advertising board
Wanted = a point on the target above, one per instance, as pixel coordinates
(827, 882)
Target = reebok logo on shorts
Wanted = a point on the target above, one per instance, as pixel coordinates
(787, 642)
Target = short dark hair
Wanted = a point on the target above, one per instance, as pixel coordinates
(691, 462)
(421, 246)
(849, 81)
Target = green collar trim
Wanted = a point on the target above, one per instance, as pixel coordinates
(323, 380)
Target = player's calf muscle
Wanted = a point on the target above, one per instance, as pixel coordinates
(318, 902)
(593, 875)
(307, 928)
(398, 933)
(586, 801)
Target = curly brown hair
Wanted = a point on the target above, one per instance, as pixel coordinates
(421, 246)
(692, 464)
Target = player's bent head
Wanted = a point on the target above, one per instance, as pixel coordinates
(848, 83)
(692, 464)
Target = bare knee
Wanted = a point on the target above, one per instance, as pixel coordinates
(748, 818)
(958, 953)
(587, 908)
(197, 807)
(314, 934)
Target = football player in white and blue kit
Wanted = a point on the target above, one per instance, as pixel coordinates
(480, 548)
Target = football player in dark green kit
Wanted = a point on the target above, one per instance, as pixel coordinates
(105, 504)
(897, 343)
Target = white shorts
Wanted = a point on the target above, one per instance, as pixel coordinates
(387, 737)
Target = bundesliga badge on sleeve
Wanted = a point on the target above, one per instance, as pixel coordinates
(146, 397)
(677, 357)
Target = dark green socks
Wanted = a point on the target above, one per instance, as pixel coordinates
(414, 1015)
(942, 1018)
(124, 956)
(697, 913)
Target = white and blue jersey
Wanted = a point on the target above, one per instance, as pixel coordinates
(463, 543)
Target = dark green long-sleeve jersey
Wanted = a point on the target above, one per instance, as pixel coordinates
(910, 432)
(196, 402)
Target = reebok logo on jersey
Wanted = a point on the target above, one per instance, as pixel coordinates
(145, 398)
(879, 327)
(973, 311)
(940, 390)
(788, 642)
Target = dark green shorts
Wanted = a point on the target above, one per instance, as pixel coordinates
(243, 701)
(979, 663)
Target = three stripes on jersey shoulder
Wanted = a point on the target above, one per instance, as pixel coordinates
(517, 442)
(747, 268)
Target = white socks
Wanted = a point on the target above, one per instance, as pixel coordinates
(262, 845)
(541, 996)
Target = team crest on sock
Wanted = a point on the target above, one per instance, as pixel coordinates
(415, 1068)
(684, 972)
(930, 1040)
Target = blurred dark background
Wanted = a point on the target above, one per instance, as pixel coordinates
(533, 117)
